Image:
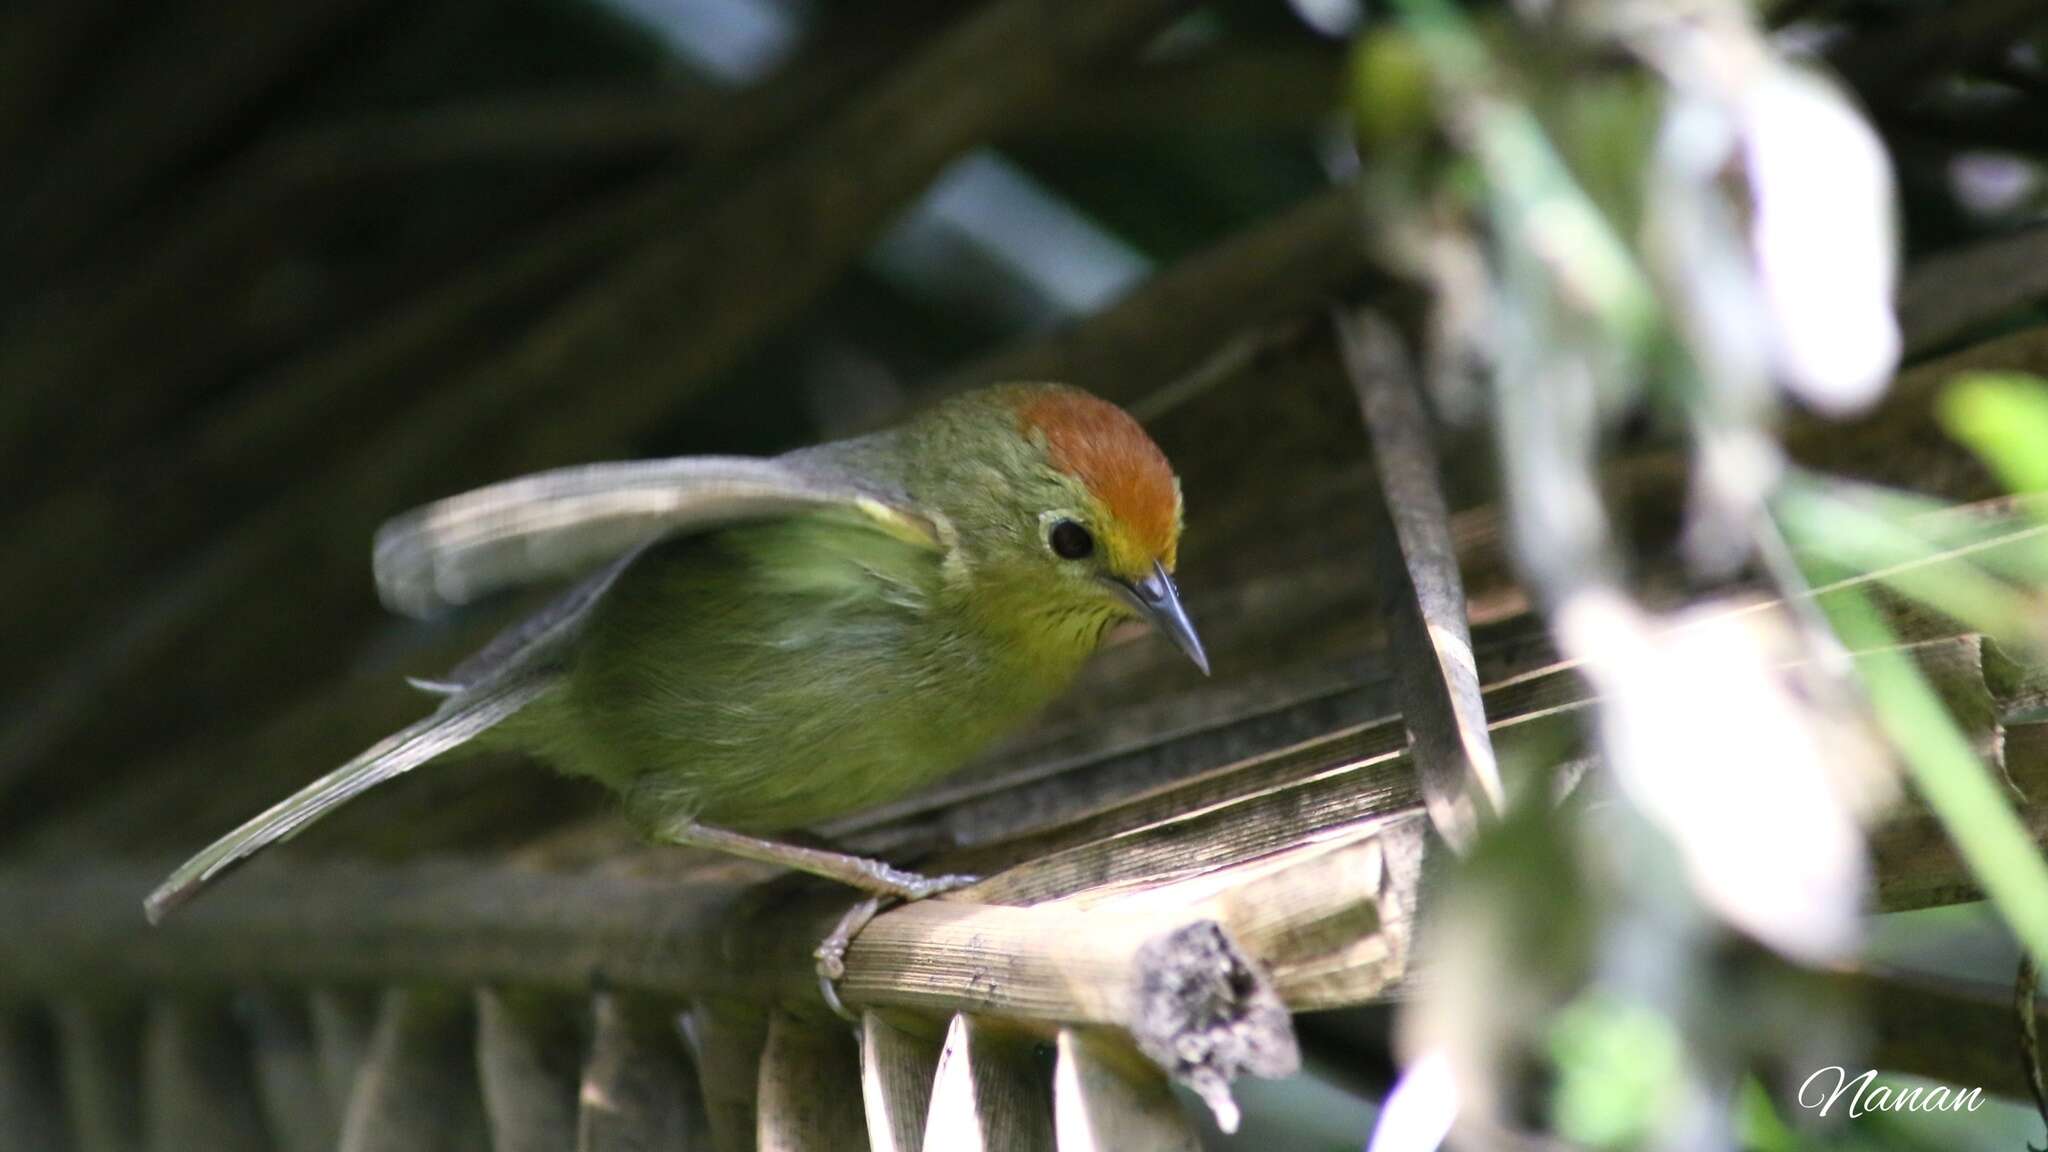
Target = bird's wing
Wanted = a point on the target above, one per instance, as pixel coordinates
(537, 644)
(459, 720)
(557, 524)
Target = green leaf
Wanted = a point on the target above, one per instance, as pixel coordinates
(1390, 95)
(1757, 1123)
(1620, 1071)
(1970, 803)
(2003, 418)
(1535, 200)
(1872, 541)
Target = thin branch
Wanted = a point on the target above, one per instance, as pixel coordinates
(1061, 962)
(1422, 592)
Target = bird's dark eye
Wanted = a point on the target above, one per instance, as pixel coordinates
(1070, 541)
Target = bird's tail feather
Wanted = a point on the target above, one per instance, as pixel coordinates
(461, 719)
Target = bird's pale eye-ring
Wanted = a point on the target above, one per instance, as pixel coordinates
(1070, 541)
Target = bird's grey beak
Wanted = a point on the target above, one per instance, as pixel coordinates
(1158, 601)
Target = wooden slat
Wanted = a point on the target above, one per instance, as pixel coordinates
(1085, 767)
(527, 1048)
(810, 1093)
(302, 1116)
(464, 924)
(1330, 921)
(1421, 591)
(1917, 865)
(640, 1087)
(1108, 1098)
(343, 1024)
(990, 1094)
(198, 1082)
(418, 1091)
(1165, 835)
(423, 922)
(100, 1056)
(898, 1061)
(729, 1037)
(31, 1092)
(1155, 830)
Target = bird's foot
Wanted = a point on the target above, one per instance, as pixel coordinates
(886, 880)
(924, 887)
(904, 887)
(831, 951)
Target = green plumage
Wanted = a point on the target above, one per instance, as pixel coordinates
(820, 667)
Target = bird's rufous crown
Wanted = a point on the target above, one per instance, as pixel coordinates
(1100, 445)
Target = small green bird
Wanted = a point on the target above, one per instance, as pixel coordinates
(768, 643)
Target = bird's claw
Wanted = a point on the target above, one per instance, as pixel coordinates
(830, 953)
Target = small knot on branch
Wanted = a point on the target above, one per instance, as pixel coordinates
(1206, 1013)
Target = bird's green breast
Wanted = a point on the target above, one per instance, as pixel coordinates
(774, 675)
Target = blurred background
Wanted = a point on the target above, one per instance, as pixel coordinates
(271, 273)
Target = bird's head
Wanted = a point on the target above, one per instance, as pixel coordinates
(1071, 516)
